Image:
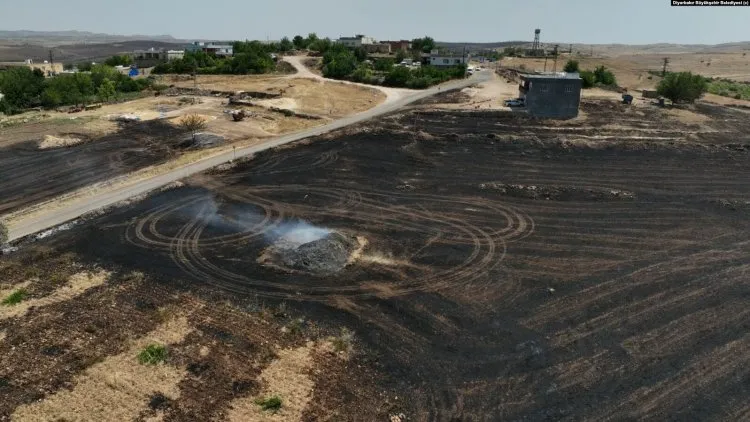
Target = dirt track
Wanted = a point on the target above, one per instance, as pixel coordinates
(514, 269)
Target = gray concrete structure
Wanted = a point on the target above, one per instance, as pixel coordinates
(553, 95)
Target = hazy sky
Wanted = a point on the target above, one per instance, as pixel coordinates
(576, 21)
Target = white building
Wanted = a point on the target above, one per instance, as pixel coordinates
(175, 54)
(219, 50)
(436, 60)
(356, 41)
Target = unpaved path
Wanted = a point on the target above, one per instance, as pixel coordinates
(392, 94)
(24, 225)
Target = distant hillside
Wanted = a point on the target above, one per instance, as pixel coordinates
(79, 52)
(609, 49)
(51, 38)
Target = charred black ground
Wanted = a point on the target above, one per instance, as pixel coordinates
(619, 292)
(29, 175)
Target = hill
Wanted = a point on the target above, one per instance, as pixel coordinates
(53, 38)
(79, 52)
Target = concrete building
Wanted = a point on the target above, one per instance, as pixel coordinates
(555, 95)
(380, 48)
(175, 54)
(356, 41)
(49, 69)
(447, 60)
(149, 58)
(218, 50)
(403, 45)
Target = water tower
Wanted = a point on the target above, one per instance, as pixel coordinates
(537, 45)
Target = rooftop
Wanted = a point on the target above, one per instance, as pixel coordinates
(552, 75)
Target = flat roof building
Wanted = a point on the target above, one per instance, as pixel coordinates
(218, 50)
(49, 69)
(356, 41)
(554, 95)
(447, 60)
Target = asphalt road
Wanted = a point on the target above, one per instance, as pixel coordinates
(76, 209)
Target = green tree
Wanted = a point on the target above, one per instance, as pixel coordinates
(311, 38)
(320, 45)
(285, 45)
(338, 62)
(683, 87)
(604, 76)
(399, 76)
(299, 42)
(383, 65)
(85, 66)
(68, 89)
(101, 72)
(588, 79)
(400, 56)
(360, 53)
(21, 88)
(106, 90)
(423, 45)
(123, 60)
(362, 74)
(572, 67)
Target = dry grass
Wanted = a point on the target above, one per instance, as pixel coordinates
(116, 389)
(77, 285)
(58, 142)
(288, 377)
(310, 96)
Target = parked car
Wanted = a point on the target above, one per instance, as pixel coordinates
(517, 102)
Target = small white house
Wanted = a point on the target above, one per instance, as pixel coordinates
(175, 54)
(448, 60)
(356, 41)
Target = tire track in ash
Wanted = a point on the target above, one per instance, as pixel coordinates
(485, 247)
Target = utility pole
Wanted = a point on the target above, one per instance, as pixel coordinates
(545, 62)
(554, 69)
(664, 69)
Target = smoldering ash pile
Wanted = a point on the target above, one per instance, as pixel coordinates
(301, 246)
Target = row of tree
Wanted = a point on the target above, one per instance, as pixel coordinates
(250, 57)
(340, 62)
(599, 76)
(23, 88)
(681, 87)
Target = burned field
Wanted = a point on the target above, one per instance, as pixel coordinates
(490, 267)
(29, 175)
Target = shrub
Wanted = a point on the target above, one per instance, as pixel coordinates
(682, 87)
(588, 79)
(384, 65)
(272, 403)
(338, 62)
(572, 66)
(418, 83)
(362, 74)
(152, 354)
(343, 343)
(193, 123)
(604, 76)
(15, 298)
(398, 77)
